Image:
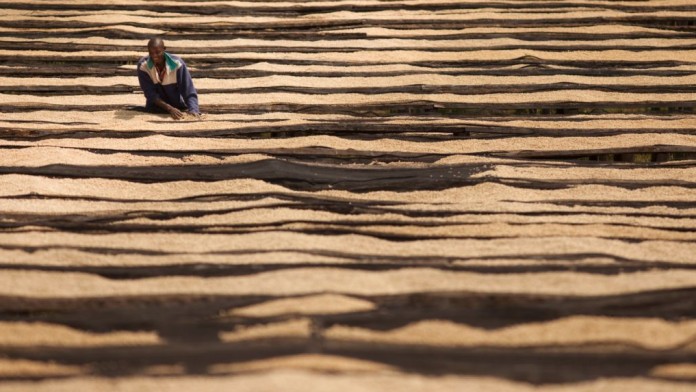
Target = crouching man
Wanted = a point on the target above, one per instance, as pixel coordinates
(166, 82)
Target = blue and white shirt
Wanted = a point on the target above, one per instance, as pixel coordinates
(176, 88)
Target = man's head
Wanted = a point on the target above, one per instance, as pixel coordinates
(156, 48)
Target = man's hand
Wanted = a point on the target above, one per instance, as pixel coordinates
(198, 116)
(176, 113)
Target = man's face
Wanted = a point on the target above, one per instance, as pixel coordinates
(157, 54)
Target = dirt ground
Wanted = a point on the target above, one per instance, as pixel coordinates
(406, 195)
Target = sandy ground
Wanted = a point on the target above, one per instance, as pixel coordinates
(487, 212)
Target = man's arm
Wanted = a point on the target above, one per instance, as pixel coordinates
(151, 95)
(188, 91)
(174, 112)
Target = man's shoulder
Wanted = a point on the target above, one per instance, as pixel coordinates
(174, 56)
(176, 59)
(141, 63)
